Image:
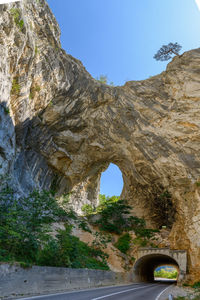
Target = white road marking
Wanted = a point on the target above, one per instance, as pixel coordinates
(117, 293)
(76, 291)
(157, 298)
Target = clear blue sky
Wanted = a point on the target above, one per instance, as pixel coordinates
(118, 38)
(111, 181)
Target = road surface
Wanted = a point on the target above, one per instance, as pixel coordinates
(137, 291)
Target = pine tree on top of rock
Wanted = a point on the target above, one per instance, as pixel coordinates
(166, 51)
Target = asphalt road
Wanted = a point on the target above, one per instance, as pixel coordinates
(140, 291)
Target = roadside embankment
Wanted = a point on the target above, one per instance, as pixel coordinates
(178, 291)
(17, 281)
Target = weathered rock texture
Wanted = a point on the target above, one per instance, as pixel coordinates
(63, 127)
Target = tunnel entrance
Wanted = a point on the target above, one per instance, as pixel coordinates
(111, 183)
(148, 259)
(145, 266)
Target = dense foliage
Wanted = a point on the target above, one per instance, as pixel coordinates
(113, 215)
(165, 273)
(123, 243)
(25, 233)
(68, 251)
(196, 285)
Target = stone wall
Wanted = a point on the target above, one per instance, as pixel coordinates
(16, 281)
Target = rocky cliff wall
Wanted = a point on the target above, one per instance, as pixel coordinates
(60, 128)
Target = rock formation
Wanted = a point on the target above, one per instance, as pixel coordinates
(60, 128)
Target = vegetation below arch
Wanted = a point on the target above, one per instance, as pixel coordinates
(26, 233)
(113, 216)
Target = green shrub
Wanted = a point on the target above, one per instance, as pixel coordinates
(7, 110)
(142, 242)
(123, 243)
(145, 232)
(33, 91)
(25, 222)
(15, 90)
(196, 285)
(25, 265)
(36, 50)
(84, 226)
(49, 254)
(180, 298)
(68, 251)
(114, 217)
(15, 12)
(104, 79)
(101, 240)
(87, 209)
(189, 297)
(111, 214)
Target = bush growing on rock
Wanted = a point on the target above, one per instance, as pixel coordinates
(114, 217)
(68, 251)
(123, 243)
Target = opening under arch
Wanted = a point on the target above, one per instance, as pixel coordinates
(145, 266)
(111, 182)
(166, 273)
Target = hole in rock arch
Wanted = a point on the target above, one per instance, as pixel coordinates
(111, 183)
(166, 273)
(146, 265)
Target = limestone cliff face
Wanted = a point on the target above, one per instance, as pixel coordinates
(61, 128)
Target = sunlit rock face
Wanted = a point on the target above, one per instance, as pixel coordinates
(63, 128)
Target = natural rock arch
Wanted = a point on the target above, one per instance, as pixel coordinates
(72, 126)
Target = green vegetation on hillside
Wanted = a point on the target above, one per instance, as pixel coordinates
(113, 215)
(26, 233)
(26, 230)
(124, 243)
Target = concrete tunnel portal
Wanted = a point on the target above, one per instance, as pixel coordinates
(149, 259)
(145, 266)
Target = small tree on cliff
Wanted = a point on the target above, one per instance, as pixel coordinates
(104, 79)
(166, 51)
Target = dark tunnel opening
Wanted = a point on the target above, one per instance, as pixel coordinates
(145, 266)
